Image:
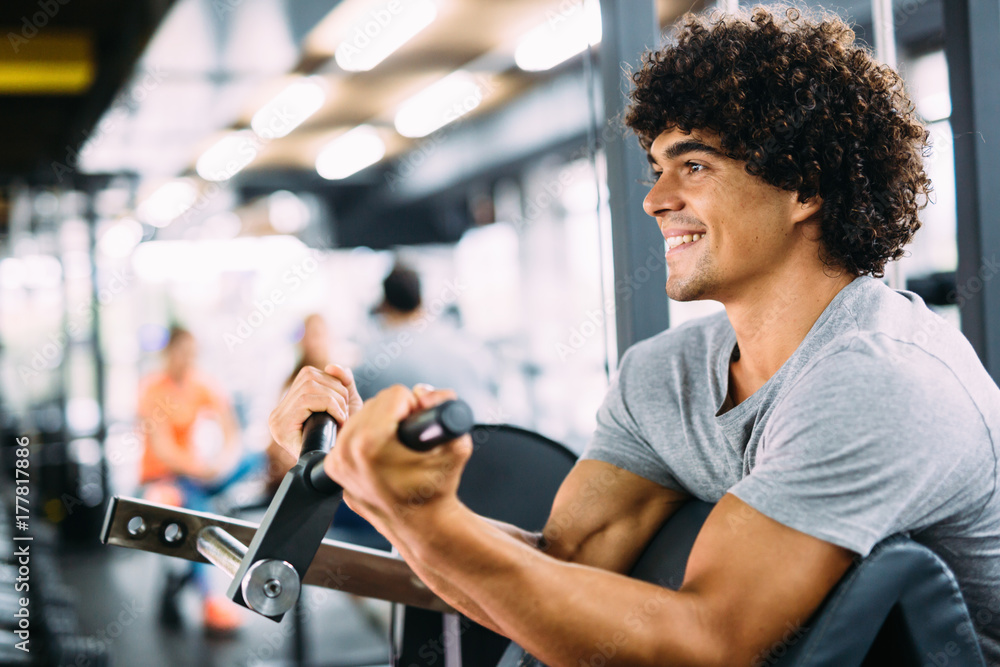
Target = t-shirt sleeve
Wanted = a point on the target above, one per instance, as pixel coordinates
(618, 439)
(858, 450)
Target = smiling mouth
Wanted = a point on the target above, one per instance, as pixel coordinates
(677, 241)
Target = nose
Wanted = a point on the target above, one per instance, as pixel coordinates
(662, 197)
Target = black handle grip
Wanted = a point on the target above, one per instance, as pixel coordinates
(420, 432)
(318, 433)
(428, 429)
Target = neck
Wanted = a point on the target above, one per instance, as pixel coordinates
(771, 321)
(177, 375)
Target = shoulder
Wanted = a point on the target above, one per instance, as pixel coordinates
(869, 390)
(209, 390)
(884, 339)
(876, 367)
(675, 345)
(152, 383)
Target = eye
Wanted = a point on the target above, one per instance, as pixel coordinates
(694, 167)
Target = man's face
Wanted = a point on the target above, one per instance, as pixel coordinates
(746, 226)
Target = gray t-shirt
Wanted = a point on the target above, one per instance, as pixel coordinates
(883, 421)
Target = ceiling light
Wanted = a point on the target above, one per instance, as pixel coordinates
(289, 109)
(121, 238)
(287, 212)
(228, 156)
(222, 225)
(439, 104)
(350, 153)
(374, 36)
(565, 34)
(168, 202)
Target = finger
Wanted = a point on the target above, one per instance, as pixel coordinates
(396, 402)
(421, 389)
(335, 406)
(428, 397)
(346, 376)
(311, 374)
(342, 373)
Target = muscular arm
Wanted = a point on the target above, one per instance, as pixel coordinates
(748, 580)
(602, 516)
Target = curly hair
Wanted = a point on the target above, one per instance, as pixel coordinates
(808, 110)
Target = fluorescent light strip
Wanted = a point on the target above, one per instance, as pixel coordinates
(439, 104)
(289, 109)
(382, 30)
(350, 153)
(170, 201)
(228, 156)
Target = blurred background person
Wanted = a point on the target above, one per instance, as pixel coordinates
(314, 350)
(413, 345)
(178, 470)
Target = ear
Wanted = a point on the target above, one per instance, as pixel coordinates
(803, 211)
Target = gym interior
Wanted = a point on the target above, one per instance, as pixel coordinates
(246, 187)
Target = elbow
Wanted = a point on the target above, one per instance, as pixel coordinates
(554, 545)
(701, 637)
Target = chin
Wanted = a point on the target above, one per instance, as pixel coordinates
(685, 291)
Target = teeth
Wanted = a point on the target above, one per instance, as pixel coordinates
(674, 241)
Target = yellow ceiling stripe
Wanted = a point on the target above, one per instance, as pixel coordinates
(49, 63)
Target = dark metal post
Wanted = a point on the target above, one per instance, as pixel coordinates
(972, 32)
(90, 214)
(630, 28)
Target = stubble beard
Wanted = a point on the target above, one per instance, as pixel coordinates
(695, 286)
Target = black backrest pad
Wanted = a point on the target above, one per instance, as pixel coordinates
(513, 475)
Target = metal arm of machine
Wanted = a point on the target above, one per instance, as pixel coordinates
(174, 531)
(269, 564)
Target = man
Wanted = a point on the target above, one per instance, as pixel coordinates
(413, 345)
(823, 411)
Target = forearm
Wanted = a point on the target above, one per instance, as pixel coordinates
(560, 612)
(170, 454)
(231, 433)
(532, 539)
(452, 594)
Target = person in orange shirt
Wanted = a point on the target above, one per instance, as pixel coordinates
(175, 473)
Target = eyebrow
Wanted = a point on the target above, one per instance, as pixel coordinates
(674, 151)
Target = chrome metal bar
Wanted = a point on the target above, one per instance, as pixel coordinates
(174, 531)
(221, 549)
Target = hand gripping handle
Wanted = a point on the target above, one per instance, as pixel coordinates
(420, 432)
